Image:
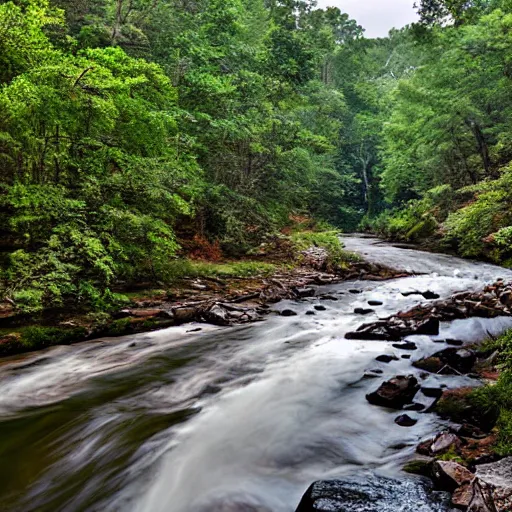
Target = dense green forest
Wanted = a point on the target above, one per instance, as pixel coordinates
(130, 129)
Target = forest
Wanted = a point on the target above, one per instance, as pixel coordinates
(133, 131)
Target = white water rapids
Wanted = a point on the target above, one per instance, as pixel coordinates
(227, 419)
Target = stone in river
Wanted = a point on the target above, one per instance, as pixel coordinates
(319, 307)
(406, 345)
(404, 420)
(288, 312)
(375, 303)
(386, 358)
(363, 311)
(372, 494)
(395, 393)
(310, 312)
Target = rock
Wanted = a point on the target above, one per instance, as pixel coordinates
(430, 364)
(395, 393)
(310, 312)
(288, 312)
(427, 295)
(144, 313)
(455, 343)
(429, 326)
(481, 497)
(421, 466)
(371, 494)
(217, 315)
(305, 292)
(355, 291)
(406, 345)
(184, 314)
(363, 311)
(328, 297)
(406, 356)
(319, 307)
(386, 358)
(443, 443)
(449, 474)
(375, 303)
(377, 370)
(404, 420)
(432, 392)
(413, 407)
(427, 402)
(380, 333)
(499, 474)
(461, 497)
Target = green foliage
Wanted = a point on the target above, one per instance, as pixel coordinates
(37, 337)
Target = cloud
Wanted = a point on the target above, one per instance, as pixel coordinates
(376, 16)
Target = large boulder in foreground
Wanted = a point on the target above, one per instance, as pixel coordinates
(395, 393)
(372, 494)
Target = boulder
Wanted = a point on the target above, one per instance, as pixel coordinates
(375, 303)
(449, 474)
(328, 297)
(371, 494)
(499, 474)
(482, 499)
(429, 326)
(288, 312)
(310, 312)
(184, 314)
(319, 307)
(395, 393)
(355, 291)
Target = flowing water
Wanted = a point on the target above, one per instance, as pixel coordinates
(226, 419)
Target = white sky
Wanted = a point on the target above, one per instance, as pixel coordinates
(376, 16)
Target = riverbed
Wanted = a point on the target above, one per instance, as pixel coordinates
(231, 419)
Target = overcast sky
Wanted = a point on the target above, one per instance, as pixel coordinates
(376, 16)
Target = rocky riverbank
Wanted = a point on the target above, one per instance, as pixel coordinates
(462, 460)
(208, 300)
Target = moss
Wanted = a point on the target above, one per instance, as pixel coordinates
(452, 455)
(422, 230)
(119, 327)
(35, 337)
(419, 467)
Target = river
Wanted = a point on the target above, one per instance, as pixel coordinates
(238, 419)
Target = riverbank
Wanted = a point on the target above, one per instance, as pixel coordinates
(218, 293)
(472, 457)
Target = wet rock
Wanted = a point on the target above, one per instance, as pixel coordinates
(429, 326)
(377, 370)
(371, 494)
(406, 345)
(305, 292)
(184, 314)
(375, 303)
(328, 297)
(421, 466)
(426, 401)
(395, 393)
(404, 420)
(319, 307)
(310, 312)
(455, 343)
(406, 356)
(217, 315)
(386, 358)
(444, 442)
(430, 364)
(363, 311)
(432, 392)
(427, 295)
(451, 361)
(413, 407)
(288, 312)
(449, 474)
(355, 291)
